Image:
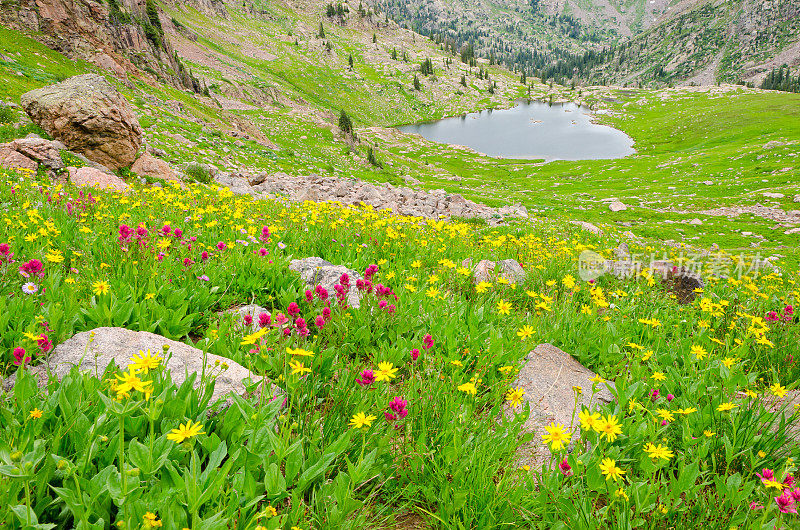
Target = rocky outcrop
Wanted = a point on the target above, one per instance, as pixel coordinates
(32, 152)
(12, 159)
(110, 35)
(90, 117)
(549, 378)
(149, 166)
(91, 177)
(93, 351)
(401, 200)
(317, 271)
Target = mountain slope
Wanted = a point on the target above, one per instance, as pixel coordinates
(716, 41)
(619, 41)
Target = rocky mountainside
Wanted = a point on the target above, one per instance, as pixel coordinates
(614, 41)
(125, 37)
(715, 41)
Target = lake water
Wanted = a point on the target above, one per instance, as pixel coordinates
(530, 130)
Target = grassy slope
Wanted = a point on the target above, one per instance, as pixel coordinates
(680, 137)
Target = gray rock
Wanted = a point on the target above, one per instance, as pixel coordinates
(258, 178)
(588, 227)
(796, 198)
(548, 378)
(316, 271)
(93, 351)
(486, 270)
(617, 206)
(622, 251)
(771, 195)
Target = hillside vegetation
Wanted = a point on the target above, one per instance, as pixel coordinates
(400, 396)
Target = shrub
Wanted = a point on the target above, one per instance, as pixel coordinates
(198, 173)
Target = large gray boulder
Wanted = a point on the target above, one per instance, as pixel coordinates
(92, 351)
(549, 377)
(317, 271)
(89, 116)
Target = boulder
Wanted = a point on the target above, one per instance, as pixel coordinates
(548, 378)
(149, 166)
(89, 176)
(588, 227)
(796, 198)
(93, 351)
(622, 251)
(41, 151)
(617, 206)
(772, 195)
(316, 271)
(486, 270)
(12, 159)
(253, 310)
(89, 116)
(257, 178)
(682, 283)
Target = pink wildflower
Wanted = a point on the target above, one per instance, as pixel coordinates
(565, 468)
(772, 316)
(221, 246)
(414, 354)
(786, 503)
(20, 358)
(44, 343)
(293, 309)
(125, 233)
(427, 342)
(367, 378)
(319, 321)
(263, 320)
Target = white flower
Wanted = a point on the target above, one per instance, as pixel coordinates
(30, 288)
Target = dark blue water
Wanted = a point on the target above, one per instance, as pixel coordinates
(530, 130)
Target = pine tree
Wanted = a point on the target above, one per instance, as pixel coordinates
(372, 159)
(345, 123)
(463, 80)
(374, 38)
(417, 84)
(394, 54)
(321, 31)
(523, 79)
(350, 61)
